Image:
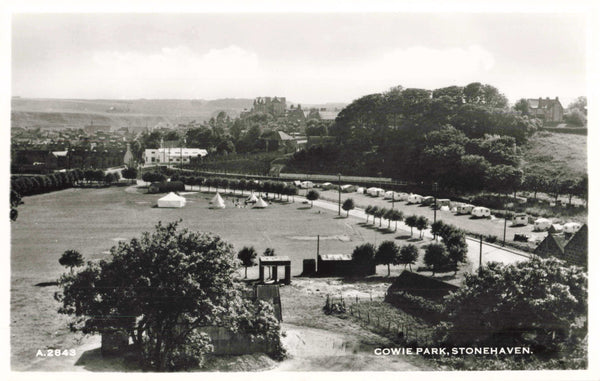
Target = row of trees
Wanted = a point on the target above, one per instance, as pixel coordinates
(387, 253)
(413, 221)
(278, 188)
(29, 185)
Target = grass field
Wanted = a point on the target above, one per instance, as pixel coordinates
(93, 220)
(556, 153)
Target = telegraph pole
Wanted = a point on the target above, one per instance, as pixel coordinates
(339, 194)
(435, 187)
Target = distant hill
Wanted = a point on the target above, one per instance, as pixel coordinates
(76, 113)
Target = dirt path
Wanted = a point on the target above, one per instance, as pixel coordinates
(313, 349)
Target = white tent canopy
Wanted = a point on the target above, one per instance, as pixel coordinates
(252, 198)
(171, 201)
(217, 201)
(261, 203)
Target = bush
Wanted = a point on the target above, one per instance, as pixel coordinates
(416, 305)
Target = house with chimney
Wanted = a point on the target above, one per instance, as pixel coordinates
(548, 110)
(572, 248)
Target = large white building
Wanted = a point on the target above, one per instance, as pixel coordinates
(172, 155)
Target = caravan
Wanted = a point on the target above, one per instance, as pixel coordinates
(571, 227)
(442, 202)
(348, 188)
(388, 195)
(375, 192)
(520, 219)
(541, 224)
(480, 212)
(464, 209)
(415, 199)
(400, 196)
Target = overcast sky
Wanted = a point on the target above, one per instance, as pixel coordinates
(308, 58)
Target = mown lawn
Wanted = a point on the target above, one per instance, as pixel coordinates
(93, 220)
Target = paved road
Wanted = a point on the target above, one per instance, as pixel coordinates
(489, 253)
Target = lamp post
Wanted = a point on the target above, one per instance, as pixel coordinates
(339, 194)
(435, 188)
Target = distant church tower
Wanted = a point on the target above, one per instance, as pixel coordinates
(128, 157)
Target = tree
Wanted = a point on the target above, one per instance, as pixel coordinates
(71, 259)
(348, 205)
(109, 178)
(312, 195)
(522, 106)
(379, 213)
(160, 289)
(436, 257)
(387, 254)
(457, 248)
(129, 173)
(532, 303)
(247, 255)
(408, 255)
(363, 257)
(396, 216)
(436, 228)
(373, 212)
(421, 224)
(411, 221)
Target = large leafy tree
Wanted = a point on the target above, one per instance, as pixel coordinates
(363, 257)
(536, 302)
(436, 257)
(312, 195)
(169, 283)
(408, 255)
(387, 254)
(71, 259)
(348, 205)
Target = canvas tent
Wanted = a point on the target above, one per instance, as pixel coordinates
(171, 200)
(217, 201)
(252, 199)
(261, 204)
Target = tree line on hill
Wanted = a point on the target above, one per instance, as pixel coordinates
(465, 139)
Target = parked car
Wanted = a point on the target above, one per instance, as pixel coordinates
(428, 200)
(414, 199)
(480, 212)
(520, 219)
(326, 186)
(541, 224)
(521, 238)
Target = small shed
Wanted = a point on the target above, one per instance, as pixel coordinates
(274, 263)
(340, 265)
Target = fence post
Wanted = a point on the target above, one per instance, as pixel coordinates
(368, 317)
(388, 325)
(356, 298)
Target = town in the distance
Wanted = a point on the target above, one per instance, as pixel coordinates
(264, 234)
